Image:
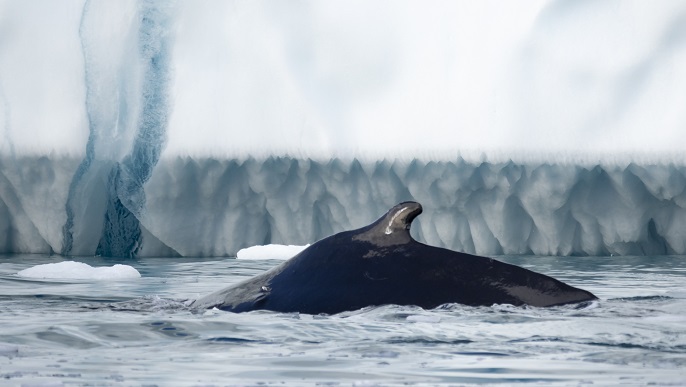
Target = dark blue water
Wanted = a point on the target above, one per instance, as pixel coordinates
(140, 332)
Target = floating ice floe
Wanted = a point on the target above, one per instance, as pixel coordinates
(79, 270)
(270, 252)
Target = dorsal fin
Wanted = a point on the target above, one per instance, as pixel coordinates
(400, 217)
(394, 227)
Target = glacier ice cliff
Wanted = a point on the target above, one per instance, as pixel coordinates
(140, 128)
(214, 207)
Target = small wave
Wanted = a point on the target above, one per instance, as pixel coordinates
(643, 298)
(606, 344)
(8, 350)
(538, 339)
(50, 299)
(143, 304)
(235, 340)
(659, 348)
(676, 294)
(585, 305)
(425, 341)
(424, 318)
(467, 353)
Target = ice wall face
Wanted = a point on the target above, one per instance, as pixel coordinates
(485, 208)
(210, 207)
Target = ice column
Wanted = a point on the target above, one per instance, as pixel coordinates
(127, 71)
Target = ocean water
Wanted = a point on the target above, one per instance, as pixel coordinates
(139, 332)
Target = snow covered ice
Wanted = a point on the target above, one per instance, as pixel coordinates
(80, 271)
(271, 251)
(140, 134)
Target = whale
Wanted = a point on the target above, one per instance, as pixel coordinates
(381, 264)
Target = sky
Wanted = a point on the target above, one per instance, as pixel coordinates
(354, 78)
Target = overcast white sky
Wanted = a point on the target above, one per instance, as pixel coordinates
(375, 78)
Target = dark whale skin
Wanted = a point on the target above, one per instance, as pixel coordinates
(381, 264)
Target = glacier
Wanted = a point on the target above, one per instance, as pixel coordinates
(215, 207)
(155, 128)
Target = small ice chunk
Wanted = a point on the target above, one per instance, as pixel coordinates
(79, 270)
(270, 252)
